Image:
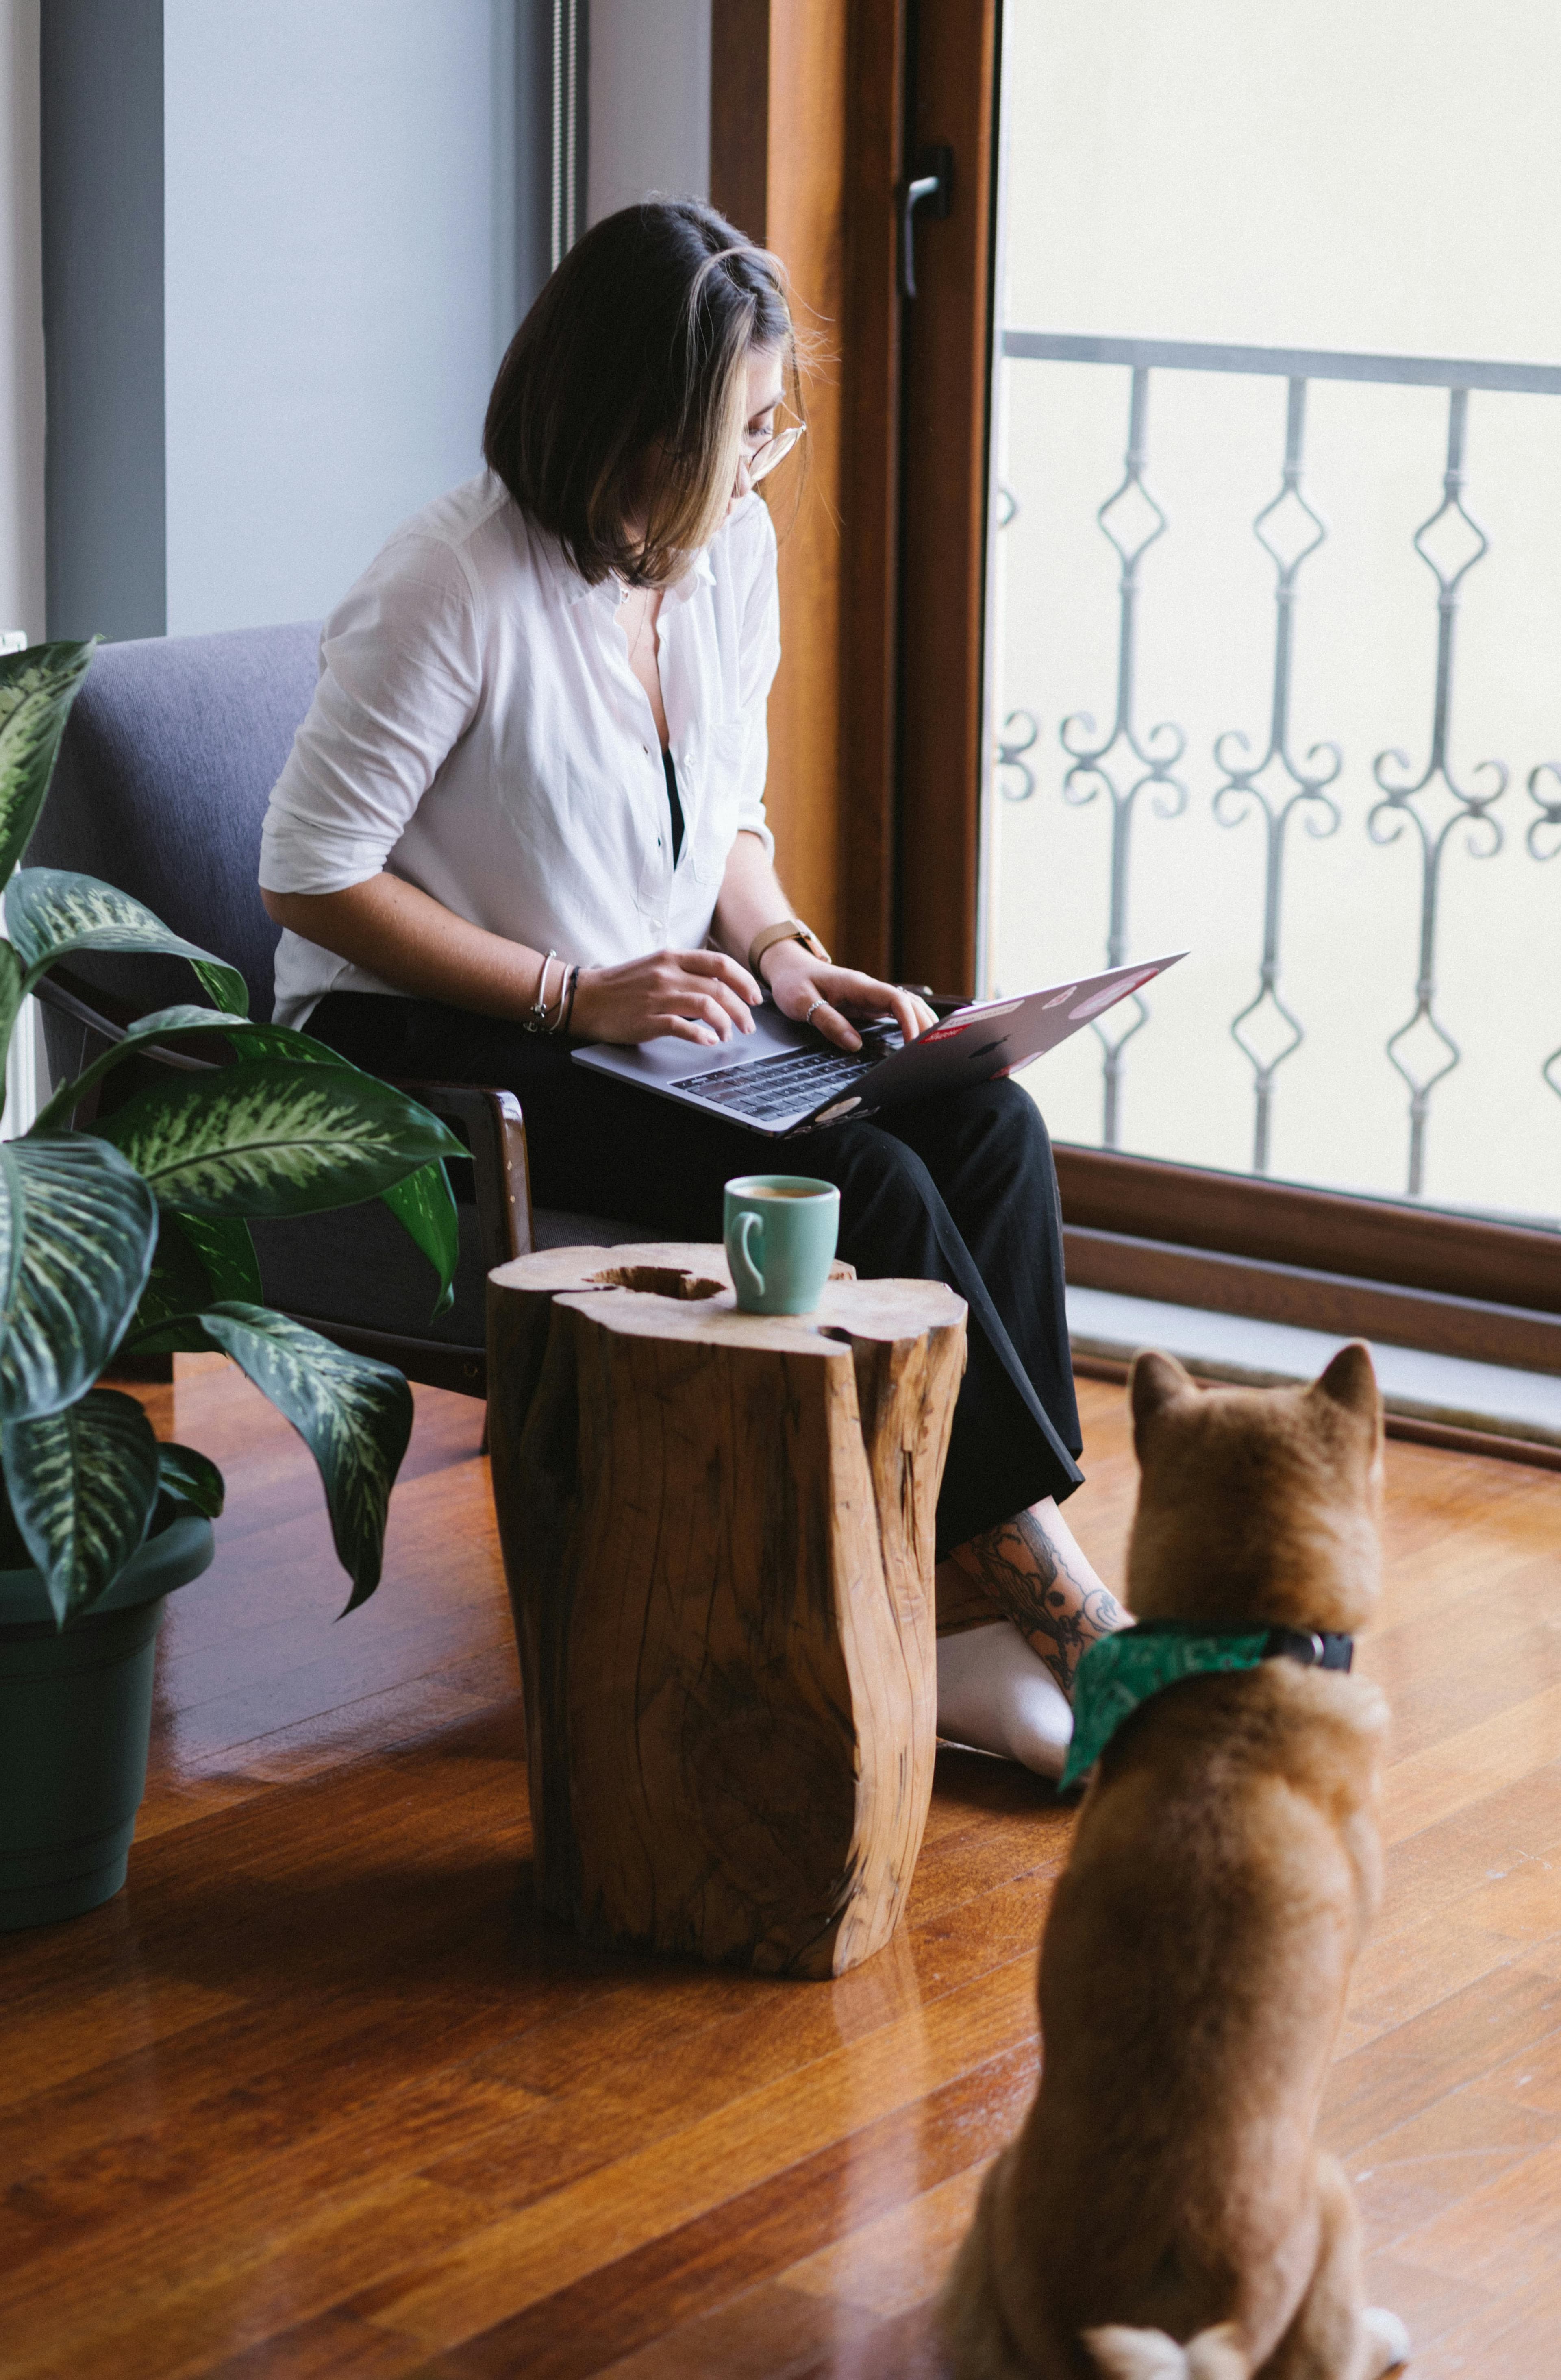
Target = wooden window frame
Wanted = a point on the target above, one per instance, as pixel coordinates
(877, 722)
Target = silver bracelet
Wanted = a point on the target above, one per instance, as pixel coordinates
(535, 1020)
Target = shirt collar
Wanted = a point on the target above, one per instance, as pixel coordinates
(1119, 1673)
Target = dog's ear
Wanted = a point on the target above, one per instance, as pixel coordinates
(1155, 1382)
(1350, 1383)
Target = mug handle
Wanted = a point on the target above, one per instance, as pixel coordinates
(744, 1227)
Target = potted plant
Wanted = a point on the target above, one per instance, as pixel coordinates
(134, 1236)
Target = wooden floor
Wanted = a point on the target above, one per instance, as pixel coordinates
(320, 2096)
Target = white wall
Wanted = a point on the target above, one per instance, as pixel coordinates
(22, 325)
(649, 101)
(340, 280)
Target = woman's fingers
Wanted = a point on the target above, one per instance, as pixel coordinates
(683, 1028)
(836, 1028)
(710, 992)
(726, 971)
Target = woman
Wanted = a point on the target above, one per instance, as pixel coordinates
(527, 807)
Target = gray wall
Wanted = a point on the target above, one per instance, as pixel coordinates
(649, 103)
(22, 325)
(284, 246)
(100, 74)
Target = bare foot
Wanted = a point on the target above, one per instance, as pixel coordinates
(1033, 1569)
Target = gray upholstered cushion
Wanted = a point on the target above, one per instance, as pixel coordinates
(166, 765)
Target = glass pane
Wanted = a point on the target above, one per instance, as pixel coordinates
(1258, 198)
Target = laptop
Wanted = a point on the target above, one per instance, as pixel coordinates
(786, 1079)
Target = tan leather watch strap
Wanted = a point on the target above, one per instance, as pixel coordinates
(789, 929)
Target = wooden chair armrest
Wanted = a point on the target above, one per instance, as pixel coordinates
(494, 1130)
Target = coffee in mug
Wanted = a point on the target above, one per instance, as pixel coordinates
(780, 1234)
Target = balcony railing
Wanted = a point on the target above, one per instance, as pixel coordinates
(1431, 803)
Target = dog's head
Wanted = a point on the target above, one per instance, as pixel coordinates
(1256, 1504)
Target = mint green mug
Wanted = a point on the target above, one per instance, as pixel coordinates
(780, 1234)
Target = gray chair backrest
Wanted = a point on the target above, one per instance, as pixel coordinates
(164, 770)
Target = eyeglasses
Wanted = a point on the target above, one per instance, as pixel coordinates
(762, 461)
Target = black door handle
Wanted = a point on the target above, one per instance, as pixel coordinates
(931, 186)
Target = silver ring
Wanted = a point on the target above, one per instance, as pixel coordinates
(820, 1002)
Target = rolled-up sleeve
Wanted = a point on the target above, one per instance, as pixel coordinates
(758, 658)
(400, 681)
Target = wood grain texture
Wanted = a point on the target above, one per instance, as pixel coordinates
(943, 546)
(718, 1529)
(325, 2096)
(1379, 1240)
(777, 167)
(869, 501)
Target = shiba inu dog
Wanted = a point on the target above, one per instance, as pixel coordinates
(1166, 2212)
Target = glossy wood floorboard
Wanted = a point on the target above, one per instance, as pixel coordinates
(321, 2096)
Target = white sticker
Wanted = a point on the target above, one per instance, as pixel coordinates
(1100, 1000)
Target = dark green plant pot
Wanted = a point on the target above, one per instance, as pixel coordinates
(75, 1718)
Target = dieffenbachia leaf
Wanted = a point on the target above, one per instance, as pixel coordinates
(52, 912)
(177, 1288)
(193, 1477)
(354, 1415)
(422, 1203)
(425, 1207)
(82, 1486)
(227, 1252)
(78, 1228)
(37, 689)
(12, 987)
(163, 1024)
(268, 1139)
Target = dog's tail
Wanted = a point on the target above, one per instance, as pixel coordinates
(1123, 2354)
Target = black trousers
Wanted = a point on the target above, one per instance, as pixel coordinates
(960, 1188)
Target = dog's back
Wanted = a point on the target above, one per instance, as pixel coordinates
(1167, 2187)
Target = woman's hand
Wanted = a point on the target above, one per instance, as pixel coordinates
(697, 995)
(798, 980)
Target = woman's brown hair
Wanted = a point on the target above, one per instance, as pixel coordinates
(616, 415)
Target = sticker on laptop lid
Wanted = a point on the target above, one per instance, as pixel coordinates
(963, 1024)
(1099, 999)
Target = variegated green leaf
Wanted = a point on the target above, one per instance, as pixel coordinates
(82, 1486)
(12, 986)
(193, 1477)
(354, 1415)
(424, 1206)
(269, 1138)
(37, 689)
(178, 1288)
(50, 912)
(163, 1024)
(78, 1228)
(227, 1252)
(422, 1203)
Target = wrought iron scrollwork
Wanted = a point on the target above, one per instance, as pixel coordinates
(1096, 766)
(1542, 847)
(1385, 822)
(1289, 531)
(1019, 732)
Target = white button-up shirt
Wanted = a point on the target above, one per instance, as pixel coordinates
(477, 730)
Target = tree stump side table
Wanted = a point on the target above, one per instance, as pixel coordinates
(717, 1532)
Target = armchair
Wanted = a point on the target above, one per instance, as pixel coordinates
(163, 775)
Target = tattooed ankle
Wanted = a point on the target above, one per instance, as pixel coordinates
(1027, 1573)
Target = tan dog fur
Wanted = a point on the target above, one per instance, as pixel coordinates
(1166, 2186)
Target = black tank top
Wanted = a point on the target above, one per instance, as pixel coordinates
(674, 804)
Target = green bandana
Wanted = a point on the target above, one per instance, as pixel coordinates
(1119, 1673)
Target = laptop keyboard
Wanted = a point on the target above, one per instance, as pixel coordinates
(765, 1088)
